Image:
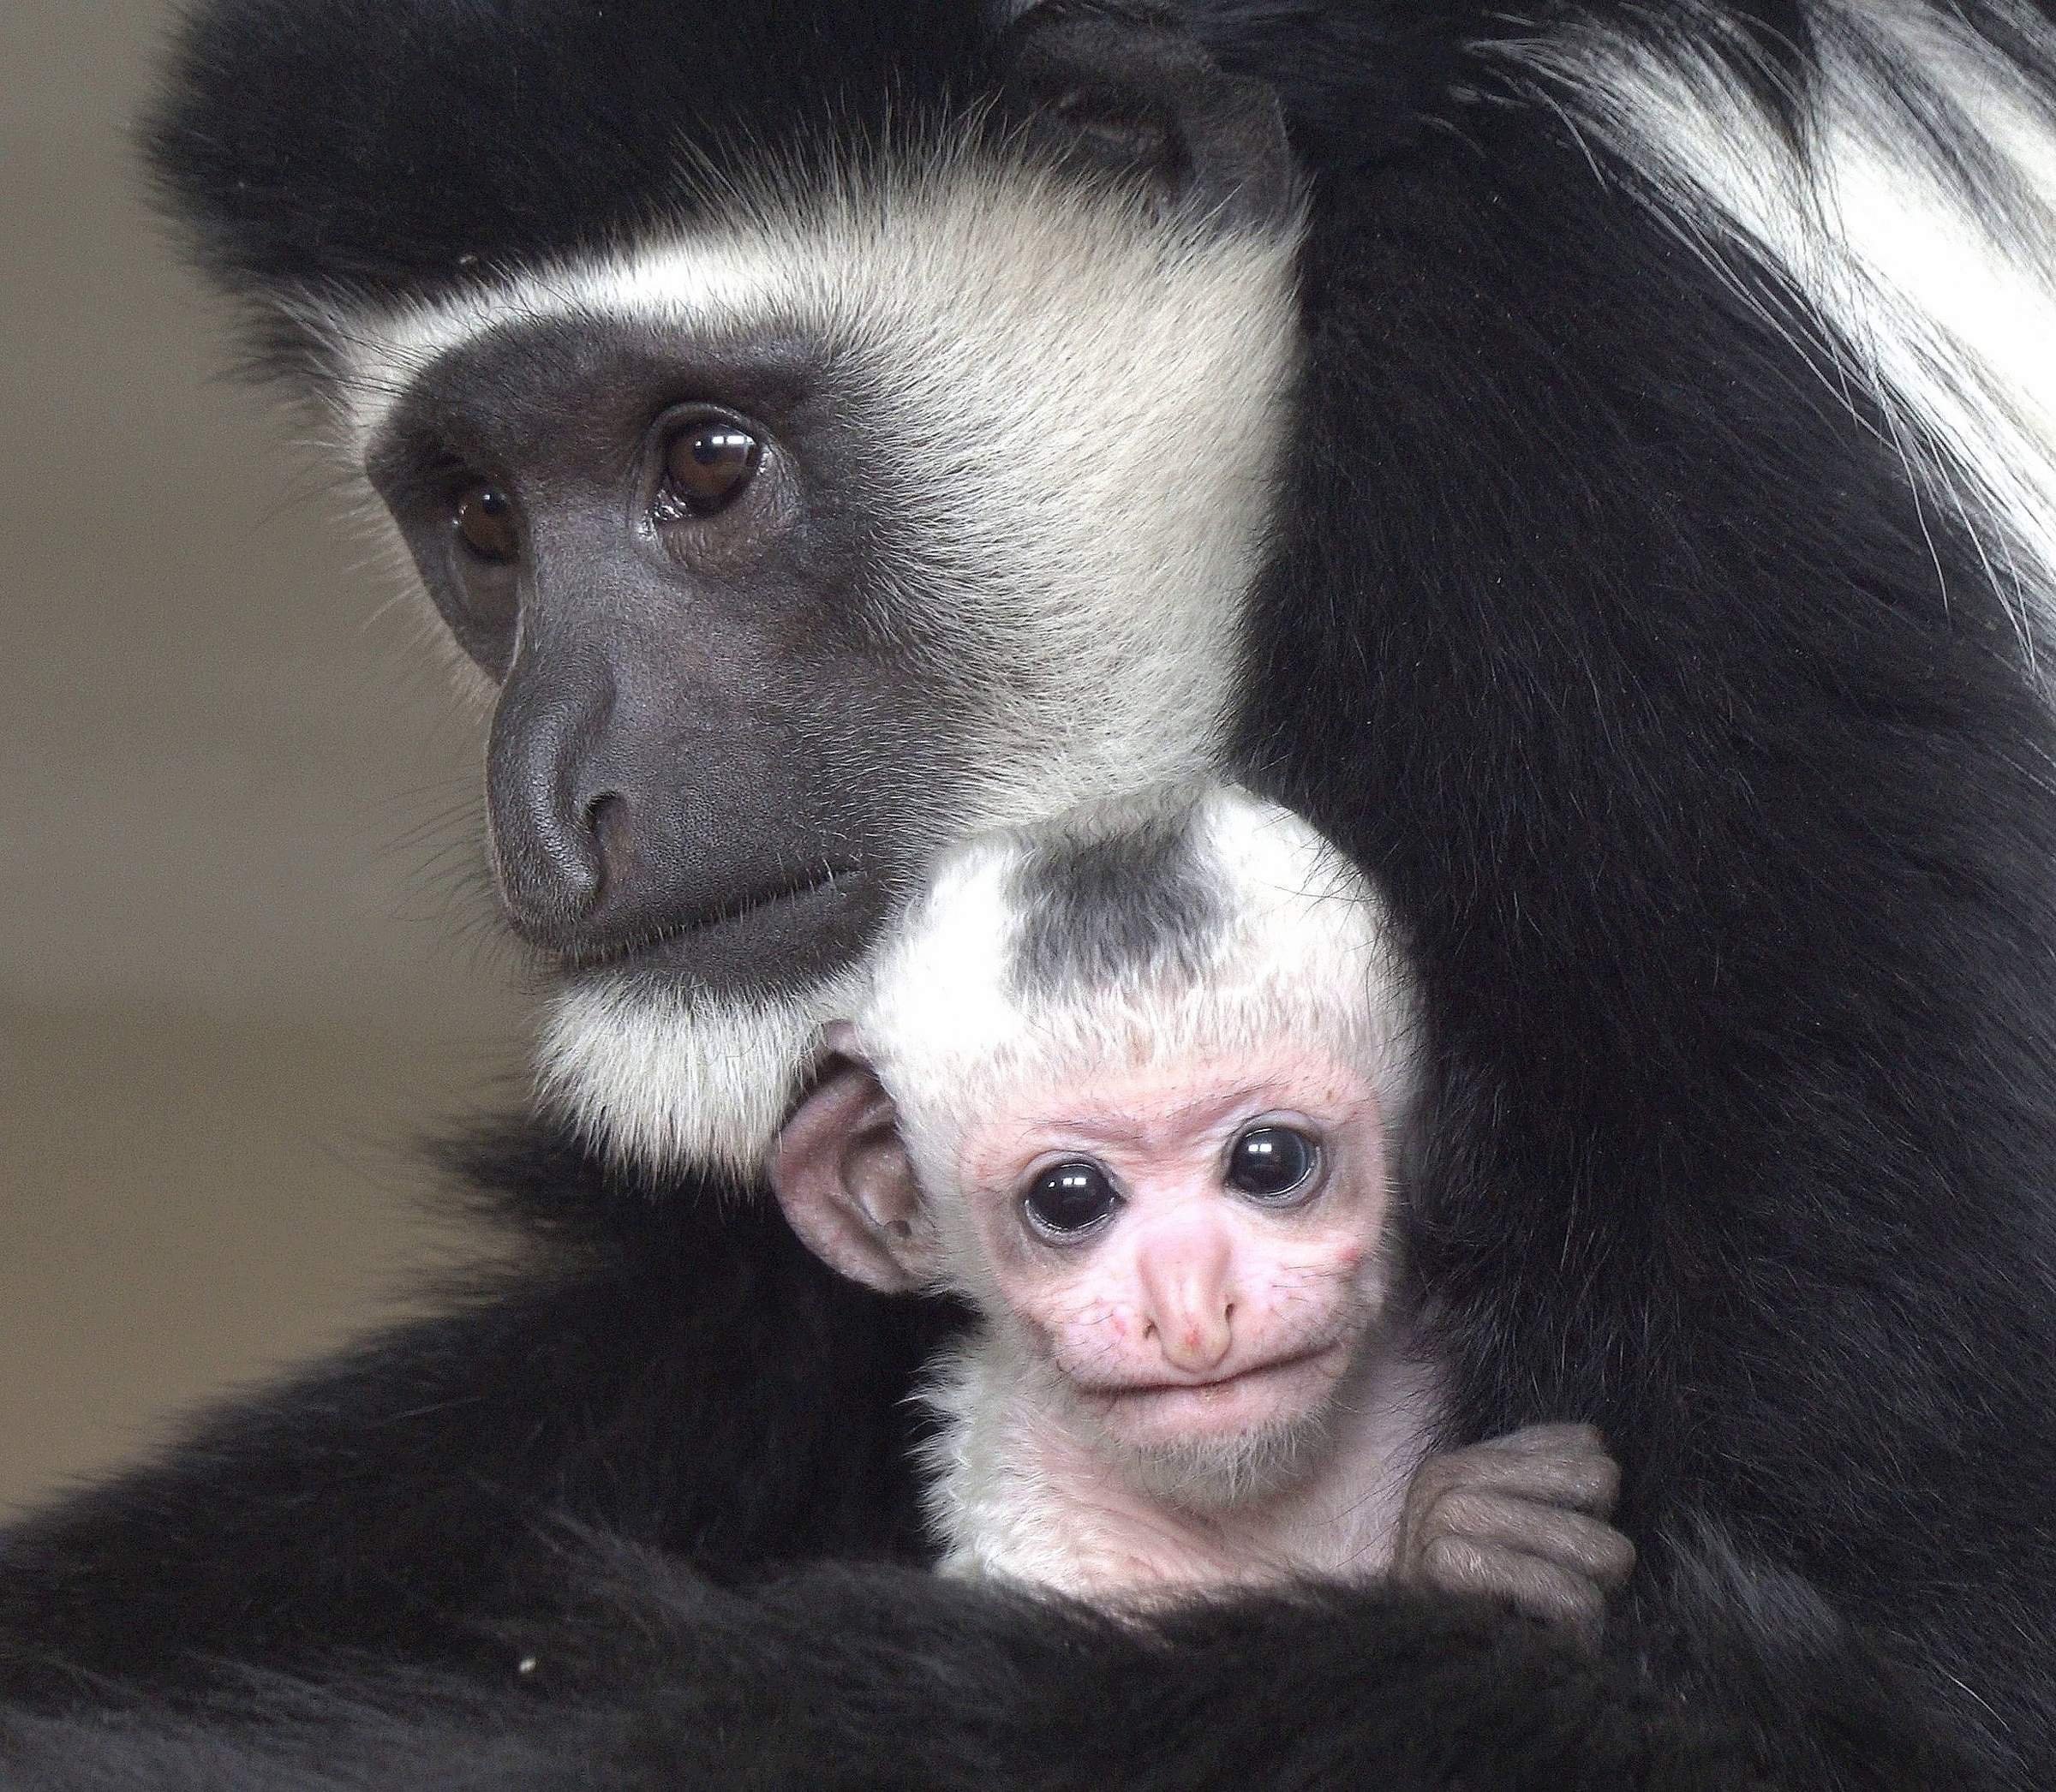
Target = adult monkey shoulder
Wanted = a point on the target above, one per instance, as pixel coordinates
(1691, 735)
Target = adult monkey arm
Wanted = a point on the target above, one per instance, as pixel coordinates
(950, 1688)
(440, 1612)
(1695, 739)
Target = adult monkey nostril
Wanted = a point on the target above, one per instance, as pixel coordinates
(611, 841)
(607, 822)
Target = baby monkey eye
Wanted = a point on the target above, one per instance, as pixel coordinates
(1270, 1163)
(1068, 1200)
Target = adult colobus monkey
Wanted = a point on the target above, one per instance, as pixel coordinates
(1598, 463)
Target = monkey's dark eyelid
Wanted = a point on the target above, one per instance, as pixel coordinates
(1076, 1235)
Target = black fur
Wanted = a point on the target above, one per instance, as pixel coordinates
(582, 123)
(658, 1679)
(1612, 640)
(578, 119)
(1718, 828)
(382, 1500)
(1097, 907)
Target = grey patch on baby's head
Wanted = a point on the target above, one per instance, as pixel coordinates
(1127, 895)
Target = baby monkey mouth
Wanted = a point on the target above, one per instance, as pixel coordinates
(1212, 1383)
(1275, 1397)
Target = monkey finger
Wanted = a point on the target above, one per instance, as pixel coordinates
(1572, 1457)
(1579, 1481)
(1564, 1600)
(1568, 1439)
(1587, 1546)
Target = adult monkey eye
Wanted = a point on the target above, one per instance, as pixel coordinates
(708, 464)
(1272, 1163)
(1068, 1200)
(488, 525)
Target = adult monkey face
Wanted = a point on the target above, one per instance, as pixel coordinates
(893, 495)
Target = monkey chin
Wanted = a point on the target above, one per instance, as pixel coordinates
(661, 1074)
(1229, 1443)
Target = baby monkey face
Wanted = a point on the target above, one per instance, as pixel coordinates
(1197, 1249)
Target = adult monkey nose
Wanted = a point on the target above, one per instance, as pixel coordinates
(1185, 1274)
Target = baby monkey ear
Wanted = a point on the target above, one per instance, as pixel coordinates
(842, 1174)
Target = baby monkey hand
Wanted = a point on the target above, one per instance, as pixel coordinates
(1522, 1518)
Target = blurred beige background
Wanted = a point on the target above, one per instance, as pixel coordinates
(244, 958)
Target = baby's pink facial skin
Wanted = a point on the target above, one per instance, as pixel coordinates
(1197, 1316)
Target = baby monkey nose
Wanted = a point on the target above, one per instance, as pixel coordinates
(1200, 1343)
(1187, 1306)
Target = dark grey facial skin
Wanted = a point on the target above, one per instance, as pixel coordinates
(724, 744)
(693, 702)
(1097, 909)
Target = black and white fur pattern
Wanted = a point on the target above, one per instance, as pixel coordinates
(1095, 365)
(1193, 919)
(1652, 596)
(1907, 193)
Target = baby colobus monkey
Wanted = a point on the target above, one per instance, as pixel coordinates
(1133, 1083)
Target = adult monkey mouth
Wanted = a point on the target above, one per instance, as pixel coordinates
(685, 944)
